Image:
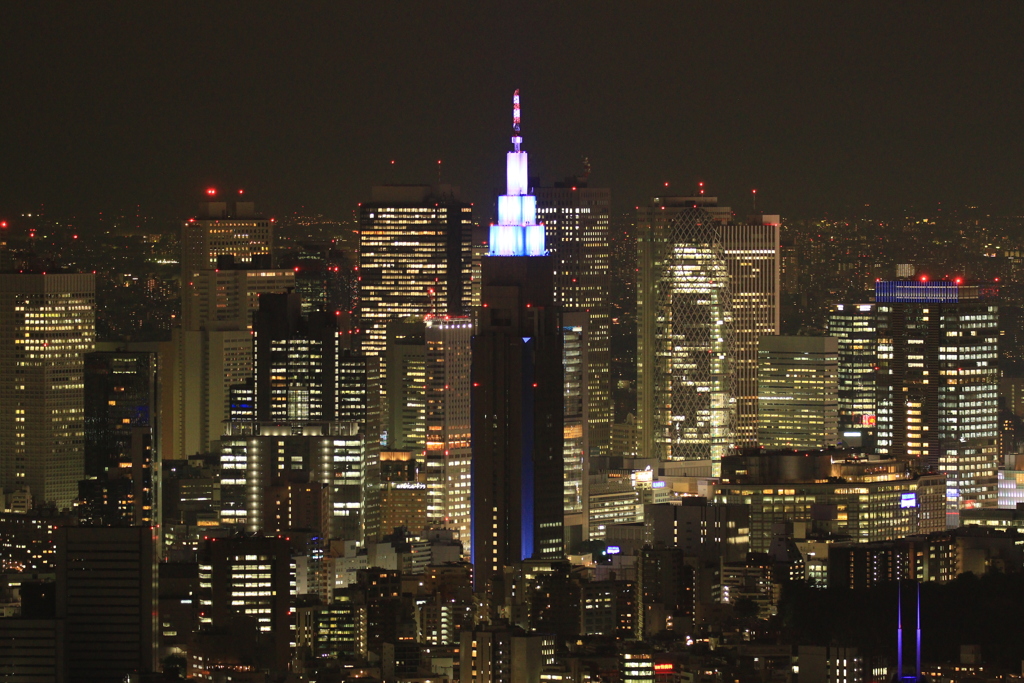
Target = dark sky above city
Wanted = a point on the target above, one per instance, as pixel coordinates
(821, 106)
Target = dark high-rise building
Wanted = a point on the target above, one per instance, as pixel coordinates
(405, 367)
(249, 577)
(106, 596)
(325, 277)
(120, 392)
(295, 359)
(120, 411)
(938, 383)
(517, 385)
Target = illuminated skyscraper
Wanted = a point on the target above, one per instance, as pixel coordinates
(797, 389)
(576, 227)
(448, 425)
(47, 324)
(699, 271)
(752, 259)
(224, 228)
(576, 425)
(685, 397)
(938, 382)
(250, 577)
(415, 253)
(309, 413)
(854, 327)
(296, 358)
(517, 391)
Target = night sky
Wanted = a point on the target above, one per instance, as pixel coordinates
(821, 106)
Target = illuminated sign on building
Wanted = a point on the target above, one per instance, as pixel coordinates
(908, 500)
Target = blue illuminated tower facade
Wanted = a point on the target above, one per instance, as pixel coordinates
(517, 401)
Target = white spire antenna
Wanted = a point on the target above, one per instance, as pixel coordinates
(516, 120)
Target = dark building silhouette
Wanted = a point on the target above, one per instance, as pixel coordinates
(106, 597)
(517, 392)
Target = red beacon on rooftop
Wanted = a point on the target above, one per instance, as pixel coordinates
(211, 191)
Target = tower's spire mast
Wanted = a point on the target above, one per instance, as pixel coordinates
(516, 120)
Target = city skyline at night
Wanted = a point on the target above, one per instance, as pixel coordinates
(717, 371)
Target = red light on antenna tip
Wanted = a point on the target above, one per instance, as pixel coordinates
(3, 224)
(241, 192)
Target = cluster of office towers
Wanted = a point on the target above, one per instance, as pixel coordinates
(482, 356)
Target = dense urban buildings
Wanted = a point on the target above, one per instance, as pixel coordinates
(226, 266)
(393, 456)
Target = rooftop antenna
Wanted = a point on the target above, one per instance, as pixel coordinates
(754, 191)
(516, 120)
(438, 171)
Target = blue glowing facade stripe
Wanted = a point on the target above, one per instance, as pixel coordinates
(916, 291)
(517, 232)
(527, 472)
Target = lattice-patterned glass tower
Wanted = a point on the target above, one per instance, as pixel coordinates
(698, 269)
(696, 341)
